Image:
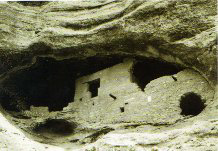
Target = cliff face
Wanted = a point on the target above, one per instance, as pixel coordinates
(48, 44)
(183, 30)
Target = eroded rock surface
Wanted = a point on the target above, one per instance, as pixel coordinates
(46, 47)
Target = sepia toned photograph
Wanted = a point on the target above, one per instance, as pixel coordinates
(108, 75)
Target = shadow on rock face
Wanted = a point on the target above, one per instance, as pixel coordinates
(32, 3)
(55, 128)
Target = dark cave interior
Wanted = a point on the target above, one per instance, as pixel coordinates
(146, 70)
(51, 83)
(48, 82)
(191, 104)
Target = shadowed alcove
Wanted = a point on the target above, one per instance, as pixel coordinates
(50, 82)
(146, 70)
(191, 104)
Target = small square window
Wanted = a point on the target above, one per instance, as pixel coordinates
(93, 87)
(122, 109)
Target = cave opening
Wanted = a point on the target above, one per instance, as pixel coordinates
(46, 83)
(49, 82)
(55, 127)
(191, 104)
(146, 70)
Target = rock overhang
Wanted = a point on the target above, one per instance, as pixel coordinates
(114, 36)
(154, 29)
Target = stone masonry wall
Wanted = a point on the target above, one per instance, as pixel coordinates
(112, 80)
(159, 103)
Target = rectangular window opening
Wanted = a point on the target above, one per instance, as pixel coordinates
(93, 87)
(122, 109)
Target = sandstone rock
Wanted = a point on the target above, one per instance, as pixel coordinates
(46, 46)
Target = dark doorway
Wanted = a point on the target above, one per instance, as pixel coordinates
(93, 87)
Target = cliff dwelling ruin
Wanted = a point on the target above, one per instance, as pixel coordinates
(123, 84)
(103, 90)
(108, 75)
(129, 88)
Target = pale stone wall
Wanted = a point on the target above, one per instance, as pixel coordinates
(159, 103)
(113, 80)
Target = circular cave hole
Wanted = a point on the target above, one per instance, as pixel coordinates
(146, 70)
(191, 104)
(55, 127)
